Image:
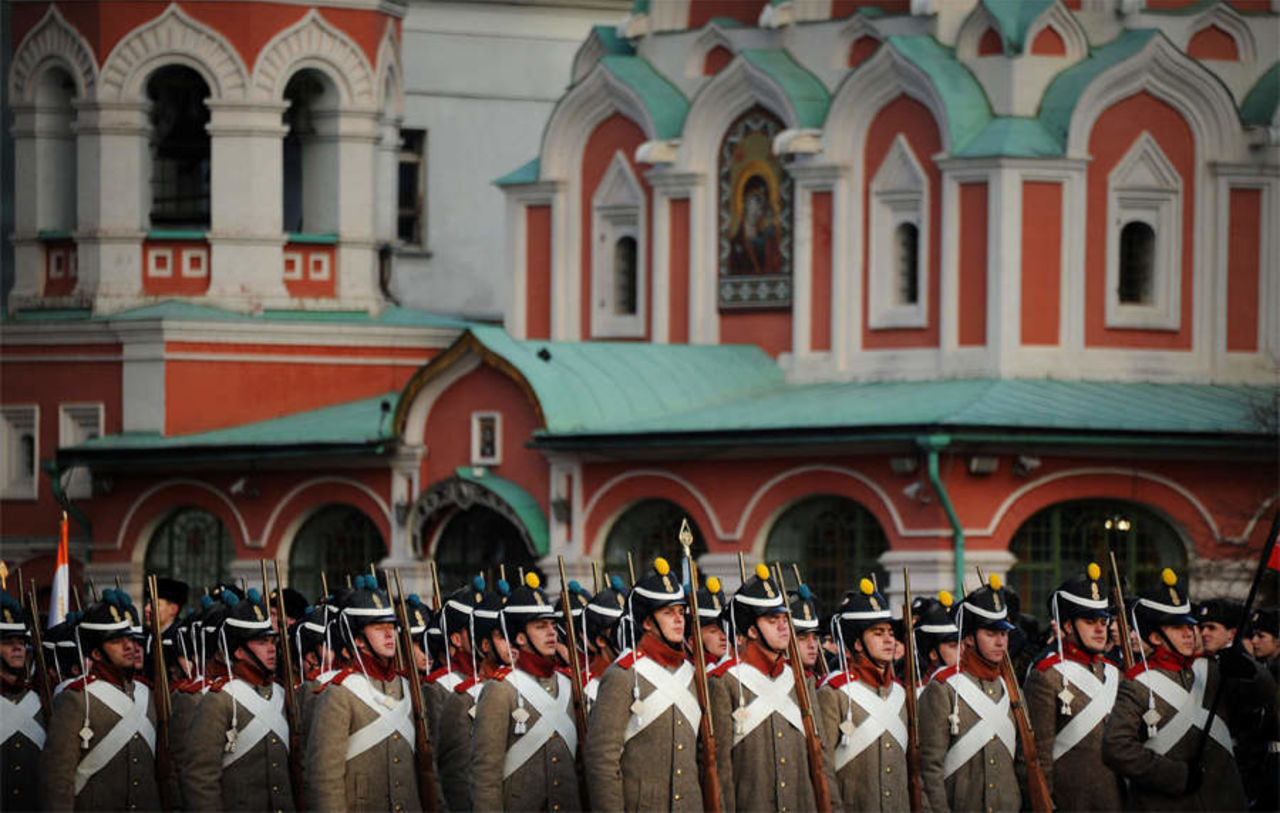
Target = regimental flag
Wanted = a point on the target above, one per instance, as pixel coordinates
(1274, 561)
(61, 592)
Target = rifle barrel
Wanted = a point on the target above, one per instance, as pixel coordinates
(575, 682)
(712, 799)
(422, 751)
(813, 746)
(915, 786)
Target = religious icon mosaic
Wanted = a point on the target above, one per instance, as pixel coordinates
(755, 214)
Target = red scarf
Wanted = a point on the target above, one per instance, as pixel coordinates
(535, 664)
(867, 671)
(1166, 658)
(978, 666)
(251, 674)
(755, 654)
(654, 647)
(110, 674)
(1072, 652)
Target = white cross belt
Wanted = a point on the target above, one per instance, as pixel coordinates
(884, 716)
(553, 717)
(993, 723)
(1102, 696)
(22, 718)
(268, 715)
(772, 695)
(1190, 711)
(669, 689)
(393, 716)
(132, 712)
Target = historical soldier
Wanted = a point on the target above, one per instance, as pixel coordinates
(61, 654)
(761, 756)
(1153, 734)
(604, 614)
(457, 714)
(863, 707)
(212, 668)
(1264, 637)
(21, 714)
(805, 619)
(968, 740)
(460, 659)
(364, 760)
(525, 739)
(237, 755)
(642, 745)
(715, 643)
(100, 749)
(936, 636)
(1070, 694)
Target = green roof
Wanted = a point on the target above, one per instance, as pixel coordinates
(525, 173)
(968, 112)
(179, 311)
(355, 423)
(988, 404)
(610, 41)
(1260, 103)
(532, 520)
(666, 105)
(640, 6)
(1012, 136)
(1013, 18)
(808, 96)
(1059, 100)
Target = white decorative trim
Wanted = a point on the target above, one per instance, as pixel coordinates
(618, 211)
(313, 42)
(1060, 18)
(52, 41)
(1230, 21)
(609, 484)
(319, 267)
(297, 258)
(141, 544)
(855, 29)
(173, 38)
(390, 87)
(899, 196)
(578, 112)
(286, 544)
(712, 36)
(767, 526)
(477, 458)
(189, 254)
(975, 25)
(77, 423)
(1145, 187)
(154, 254)
(15, 421)
(415, 424)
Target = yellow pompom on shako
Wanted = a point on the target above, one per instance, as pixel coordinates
(713, 585)
(762, 571)
(532, 580)
(1169, 577)
(945, 598)
(867, 587)
(994, 581)
(661, 567)
(1094, 571)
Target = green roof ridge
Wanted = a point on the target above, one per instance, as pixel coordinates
(667, 106)
(1012, 136)
(178, 310)
(613, 44)
(1059, 100)
(968, 110)
(525, 173)
(1260, 103)
(809, 97)
(1014, 19)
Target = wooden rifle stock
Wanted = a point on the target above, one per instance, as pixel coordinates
(291, 682)
(712, 800)
(915, 784)
(1122, 617)
(436, 600)
(37, 642)
(422, 744)
(813, 745)
(160, 696)
(575, 683)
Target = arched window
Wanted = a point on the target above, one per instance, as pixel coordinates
(1060, 541)
(310, 154)
(624, 276)
(1137, 263)
(180, 151)
(834, 541)
(476, 540)
(56, 156)
(194, 546)
(338, 541)
(649, 529)
(906, 254)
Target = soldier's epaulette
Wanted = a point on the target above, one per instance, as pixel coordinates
(1047, 661)
(436, 675)
(336, 680)
(192, 686)
(723, 667)
(500, 673)
(219, 683)
(628, 660)
(835, 679)
(462, 687)
(943, 675)
(1137, 669)
(564, 670)
(79, 683)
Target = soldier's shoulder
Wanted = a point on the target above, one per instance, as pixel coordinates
(466, 685)
(627, 660)
(1048, 662)
(1137, 669)
(945, 674)
(218, 684)
(720, 669)
(834, 680)
(500, 674)
(437, 674)
(337, 680)
(80, 683)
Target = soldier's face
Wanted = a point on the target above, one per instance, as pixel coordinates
(949, 653)
(541, 636)
(880, 643)
(381, 639)
(714, 641)
(1265, 645)
(1090, 632)
(13, 651)
(420, 660)
(1182, 638)
(501, 649)
(264, 649)
(807, 644)
(1216, 636)
(118, 653)
(775, 632)
(992, 644)
(669, 622)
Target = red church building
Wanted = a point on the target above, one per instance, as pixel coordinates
(862, 286)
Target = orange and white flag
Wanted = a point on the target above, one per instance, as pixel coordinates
(61, 593)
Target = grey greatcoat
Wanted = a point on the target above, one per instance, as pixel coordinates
(876, 777)
(20, 753)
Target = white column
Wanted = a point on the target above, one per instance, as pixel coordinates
(354, 135)
(934, 570)
(386, 181)
(113, 164)
(246, 202)
(415, 574)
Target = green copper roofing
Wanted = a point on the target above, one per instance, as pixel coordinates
(1013, 18)
(1059, 100)
(1040, 405)
(667, 106)
(307, 238)
(584, 384)
(726, 22)
(180, 311)
(808, 96)
(1260, 103)
(640, 6)
(525, 173)
(1012, 136)
(609, 39)
(1182, 11)
(361, 422)
(518, 500)
(176, 234)
(967, 109)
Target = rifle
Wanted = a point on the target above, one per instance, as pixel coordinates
(915, 787)
(631, 568)
(813, 746)
(1122, 620)
(422, 745)
(575, 683)
(1037, 786)
(291, 714)
(160, 694)
(435, 591)
(37, 642)
(712, 802)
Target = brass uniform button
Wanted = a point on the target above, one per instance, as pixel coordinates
(679, 746)
(782, 784)
(782, 761)
(888, 769)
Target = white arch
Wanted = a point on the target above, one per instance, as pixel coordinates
(180, 481)
(1060, 18)
(313, 42)
(390, 73)
(576, 115)
(663, 474)
(415, 424)
(852, 31)
(286, 542)
(711, 37)
(971, 30)
(173, 38)
(823, 468)
(1229, 20)
(1169, 74)
(52, 41)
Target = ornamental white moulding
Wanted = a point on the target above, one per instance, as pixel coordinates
(899, 197)
(78, 423)
(20, 433)
(1145, 188)
(618, 253)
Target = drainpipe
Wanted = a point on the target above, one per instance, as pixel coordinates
(932, 444)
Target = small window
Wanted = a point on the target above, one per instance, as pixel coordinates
(486, 438)
(78, 423)
(180, 148)
(907, 262)
(20, 448)
(624, 276)
(1137, 263)
(411, 206)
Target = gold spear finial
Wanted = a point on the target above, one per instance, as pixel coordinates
(4, 575)
(686, 535)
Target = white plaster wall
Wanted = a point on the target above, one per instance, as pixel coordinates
(481, 78)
